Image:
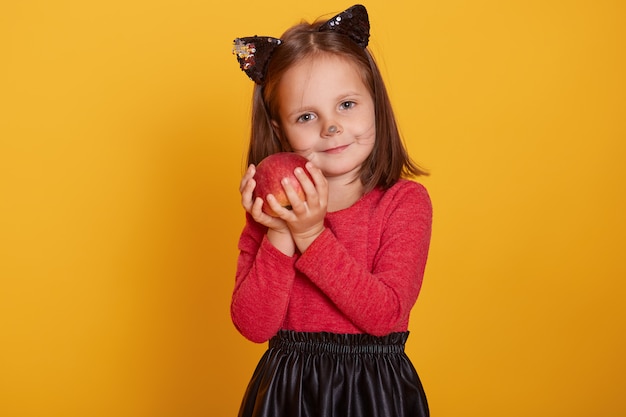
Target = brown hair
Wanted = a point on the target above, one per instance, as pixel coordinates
(389, 160)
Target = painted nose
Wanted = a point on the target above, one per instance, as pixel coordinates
(332, 130)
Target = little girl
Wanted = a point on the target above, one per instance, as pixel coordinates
(330, 282)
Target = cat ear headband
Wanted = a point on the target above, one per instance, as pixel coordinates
(254, 53)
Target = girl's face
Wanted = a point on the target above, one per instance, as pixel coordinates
(326, 113)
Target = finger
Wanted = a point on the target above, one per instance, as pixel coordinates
(321, 184)
(273, 203)
(247, 193)
(305, 181)
(247, 176)
(317, 174)
(256, 209)
(296, 200)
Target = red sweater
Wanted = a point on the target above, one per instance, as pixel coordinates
(361, 275)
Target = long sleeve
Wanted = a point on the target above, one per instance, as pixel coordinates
(263, 284)
(363, 274)
(376, 297)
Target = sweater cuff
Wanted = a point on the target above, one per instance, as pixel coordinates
(321, 248)
(270, 251)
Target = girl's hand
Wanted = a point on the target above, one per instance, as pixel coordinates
(252, 205)
(306, 218)
(278, 233)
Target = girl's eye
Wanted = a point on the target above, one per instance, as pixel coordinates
(347, 105)
(306, 118)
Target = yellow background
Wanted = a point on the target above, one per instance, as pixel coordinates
(123, 126)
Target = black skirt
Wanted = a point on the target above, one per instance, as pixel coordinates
(335, 375)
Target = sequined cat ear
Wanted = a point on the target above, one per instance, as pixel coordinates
(353, 23)
(253, 54)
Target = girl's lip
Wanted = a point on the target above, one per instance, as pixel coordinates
(336, 149)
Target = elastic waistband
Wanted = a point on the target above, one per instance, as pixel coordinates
(324, 342)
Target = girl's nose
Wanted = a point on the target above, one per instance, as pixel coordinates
(332, 130)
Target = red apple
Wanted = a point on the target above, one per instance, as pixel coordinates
(270, 171)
